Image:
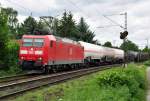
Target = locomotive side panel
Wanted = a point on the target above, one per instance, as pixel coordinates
(68, 53)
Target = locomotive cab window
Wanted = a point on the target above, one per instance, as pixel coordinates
(38, 42)
(27, 42)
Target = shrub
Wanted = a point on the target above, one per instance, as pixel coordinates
(147, 63)
(3, 36)
(11, 59)
(131, 79)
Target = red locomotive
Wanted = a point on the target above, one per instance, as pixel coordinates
(47, 52)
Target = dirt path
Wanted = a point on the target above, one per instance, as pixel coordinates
(148, 78)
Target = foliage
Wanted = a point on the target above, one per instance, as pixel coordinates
(29, 25)
(84, 32)
(56, 27)
(67, 27)
(129, 45)
(147, 63)
(107, 44)
(12, 16)
(131, 78)
(9, 49)
(12, 50)
(3, 36)
(83, 28)
(12, 21)
(146, 49)
(11, 59)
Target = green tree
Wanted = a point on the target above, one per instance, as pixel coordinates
(40, 25)
(20, 31)
(56, 27)
(83, 28)
(12, 20)
(146, 49)
(107, 44)
(67, 27)
(11, 59)
(129, 45)
(85, 33)
(3, 35)
(12, 16)
(29, 25)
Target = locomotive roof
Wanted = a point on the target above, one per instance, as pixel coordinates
(39, 36)
(52, 37)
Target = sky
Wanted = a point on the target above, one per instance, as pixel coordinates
(138, 16)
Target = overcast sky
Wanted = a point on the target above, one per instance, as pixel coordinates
(93, 11)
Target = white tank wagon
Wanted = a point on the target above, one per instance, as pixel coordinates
(109, 52)
(96, 53)
(92, 51)
(119, 53)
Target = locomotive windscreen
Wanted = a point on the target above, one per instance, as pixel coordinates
(27, 42)
(37, 42)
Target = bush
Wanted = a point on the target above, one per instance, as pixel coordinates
(3, 37)
(130, 79)
(11, 59)
(147, 63)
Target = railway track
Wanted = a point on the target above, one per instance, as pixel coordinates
(15, 77)
(25, 84)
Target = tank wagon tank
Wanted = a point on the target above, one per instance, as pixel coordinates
(95, 54)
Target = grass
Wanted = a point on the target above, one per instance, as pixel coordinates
(96, 87)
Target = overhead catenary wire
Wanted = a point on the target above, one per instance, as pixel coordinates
(27, 9)
(117, 24)
(74, 4)
(86, 15)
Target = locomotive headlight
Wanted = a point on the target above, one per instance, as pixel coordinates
(22, 57)
(38, 52)
(40, 58)
(23, 51)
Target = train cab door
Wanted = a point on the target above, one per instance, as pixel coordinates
(70, 53)
(51, 53)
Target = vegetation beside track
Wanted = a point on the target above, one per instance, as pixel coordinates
(8, 46)
(147, 63)
(10, 64)
(117, 84)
